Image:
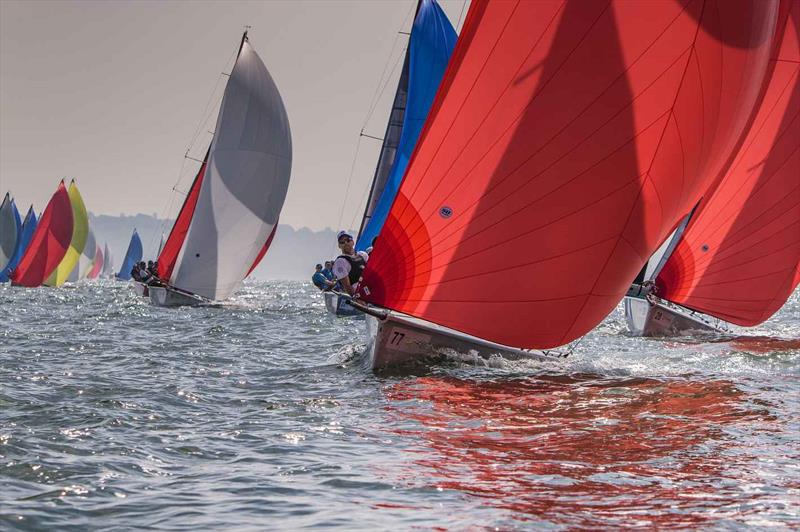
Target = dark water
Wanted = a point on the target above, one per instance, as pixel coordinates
(259, 415)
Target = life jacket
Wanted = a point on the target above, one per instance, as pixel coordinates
(357, 265)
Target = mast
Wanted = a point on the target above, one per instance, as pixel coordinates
(391, 137)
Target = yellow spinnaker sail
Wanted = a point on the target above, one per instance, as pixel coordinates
(80, 230)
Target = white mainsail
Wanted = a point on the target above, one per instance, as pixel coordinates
(242, 194)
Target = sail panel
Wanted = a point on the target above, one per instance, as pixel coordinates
(263, 251)
(10, 226)
(86, 260)
(49, 243)
(80, 230)
(132, 256)
(26, 233)
(108, 262)
(566, 142)
(738, 259)
(432, 41)
(100, 261)
(168, 254)
(244, 186)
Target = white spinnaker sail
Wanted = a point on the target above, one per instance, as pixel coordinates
(244, 187)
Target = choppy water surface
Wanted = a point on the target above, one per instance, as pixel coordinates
(259, 415)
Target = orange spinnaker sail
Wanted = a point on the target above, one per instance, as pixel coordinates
(49, 242)
(566, 140)
(172, 247)
(739, 259)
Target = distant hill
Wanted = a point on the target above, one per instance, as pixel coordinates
(291, 257)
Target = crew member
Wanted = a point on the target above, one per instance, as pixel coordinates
(349, 266)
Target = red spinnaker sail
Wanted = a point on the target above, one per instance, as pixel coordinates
(49, 242)
(263, 250)
(97, 265)
(172, 247)
(739, 258)
(566, 140)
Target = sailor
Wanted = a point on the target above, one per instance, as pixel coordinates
(319, 279)
(327, 271)
(144, 275)
(135, 272)
(349, 266)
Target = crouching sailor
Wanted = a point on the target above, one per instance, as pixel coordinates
(349, 266)
(320, 280)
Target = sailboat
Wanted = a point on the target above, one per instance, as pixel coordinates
(85, 261)
(24, 239)
(10, 225)
(80, 230)
(430, 45)
(566, 142)
(230, 214)
(98, 263)
(107, 266)
(133, 256)
(49, 243)
(738, 259)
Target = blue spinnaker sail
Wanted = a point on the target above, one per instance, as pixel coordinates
(431, 43)
(132, 256)
(25, 233)
(10, 226)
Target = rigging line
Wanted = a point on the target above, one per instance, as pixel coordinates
(461, 15)
(349, 180)
(383, 89)
(375, 96)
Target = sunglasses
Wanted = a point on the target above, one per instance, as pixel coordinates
(345, 239)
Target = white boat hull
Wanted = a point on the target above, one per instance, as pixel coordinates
(398, 340)
(162, 296)
(141, 289)
(652, 318)
(336, 304)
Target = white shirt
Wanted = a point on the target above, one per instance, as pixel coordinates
(341, 268)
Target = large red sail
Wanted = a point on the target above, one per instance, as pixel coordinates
(567, 139)
(739, 258)
(49, 242)
(172, 247)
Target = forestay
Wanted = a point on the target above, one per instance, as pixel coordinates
(244, 186)
(566, 142)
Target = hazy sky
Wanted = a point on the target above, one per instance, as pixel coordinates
(112, 93)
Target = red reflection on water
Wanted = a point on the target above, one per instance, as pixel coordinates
(580, 453)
